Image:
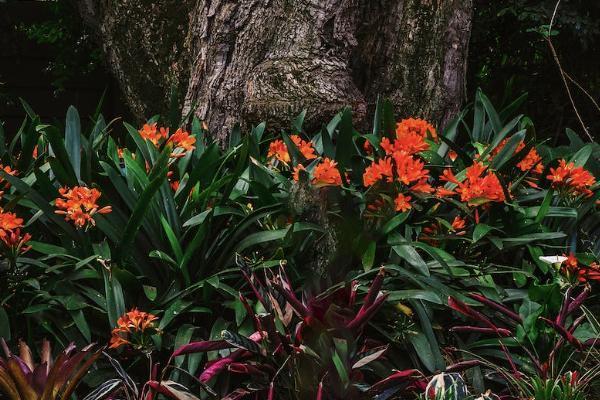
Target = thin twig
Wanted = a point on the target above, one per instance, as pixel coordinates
(574, 82)
(562, 72)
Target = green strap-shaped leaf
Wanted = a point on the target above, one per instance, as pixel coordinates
(508, 150)
(73, 140)
(345, 147)
(137, 217)
(63, 167)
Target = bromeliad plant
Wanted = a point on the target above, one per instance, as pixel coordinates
(300, 348)
(51, 379)
(548, 350)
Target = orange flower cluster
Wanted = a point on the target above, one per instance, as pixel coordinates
(279, 150)
(571, 180)
(131, 328)
(10, 232)
(410, 143)
(326, 174)
(402, 203)
(457, 227)
(478, 187)
(9, 221)
(582, 273)
(532, 161)
(416, 125)
(400, 163)
(379, 170)
(182, 139)
(408, 169)
(78, 205)
(152, 133)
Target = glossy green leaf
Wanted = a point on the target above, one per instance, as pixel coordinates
(73, 140)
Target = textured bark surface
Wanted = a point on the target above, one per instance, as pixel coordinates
(254, 60)
(144, 44)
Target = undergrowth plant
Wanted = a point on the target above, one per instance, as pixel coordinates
(101, 224)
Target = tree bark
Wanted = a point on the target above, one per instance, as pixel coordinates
(254, 60)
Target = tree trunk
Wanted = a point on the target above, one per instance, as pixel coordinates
(254, 60)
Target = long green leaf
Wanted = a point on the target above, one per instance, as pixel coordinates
(73, 140)
(136, 219)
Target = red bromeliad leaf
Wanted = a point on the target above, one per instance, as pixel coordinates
(216, 367)
(374, 289)
(498, 307)
(320, 391)
(243, 368)
(364, 315)
(466, 310)
(271, 395)
(201, 347)
(369, 356)
(578, 301)
(564, 333)
(219, 365)
(461, 366)
(172, 390)
(400, 376)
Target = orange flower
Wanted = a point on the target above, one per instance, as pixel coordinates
(422, 187)
(368, 147)
(409, 169)
(296, 173)
(531, 160)
(458, 225)
(152, 133)
(279, 150)
(8, 171)
(416, 125)
(9, 221)
(572, 180)
(174, 185)
(448, 176)
(559, 175)
(134, 321)
(378, 170)
(79, 205)
(183, 140)
(582, 273)
(475, 171)
(402, 203)
(441, 191)
(452, 155)
(15, 241)
(326, 173)
(478, 187)
(305, 147)
(410, 143)
(591, 273)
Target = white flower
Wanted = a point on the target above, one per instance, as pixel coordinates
(553, 259)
